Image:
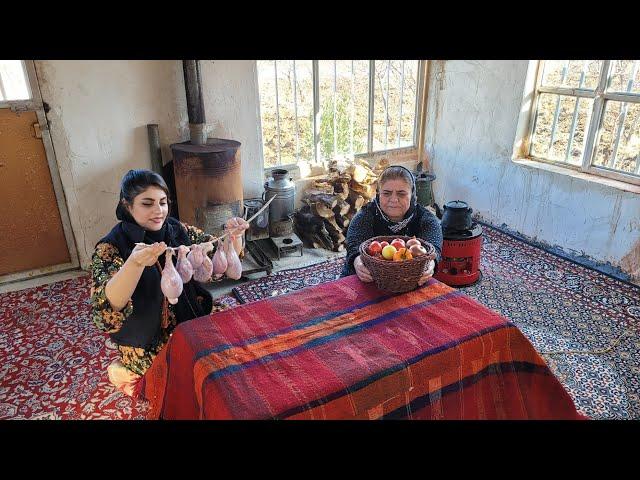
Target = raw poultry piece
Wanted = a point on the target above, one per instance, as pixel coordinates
(195, 257)
(204, 271)
(183, 266)
(219, 260)
(234, 266)
(170, 283)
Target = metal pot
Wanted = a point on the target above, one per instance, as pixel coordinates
(283, 188)
(456, 216)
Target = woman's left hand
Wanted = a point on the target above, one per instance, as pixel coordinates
(236, 225)
(428, 273)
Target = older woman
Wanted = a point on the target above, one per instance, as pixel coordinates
(394, 211)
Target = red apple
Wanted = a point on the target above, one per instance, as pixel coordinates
(374, 248)
(398, 243)
(384, 244)
(413, 241)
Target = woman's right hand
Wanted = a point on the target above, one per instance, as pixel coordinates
(363, 272)
(147, 255)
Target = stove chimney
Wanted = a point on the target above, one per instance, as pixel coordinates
(195, 102)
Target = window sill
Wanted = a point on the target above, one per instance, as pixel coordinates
(623, 186)
(406, 157)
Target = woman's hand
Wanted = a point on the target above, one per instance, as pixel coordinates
(428, 273)
(236, 225)
(147, 255)
(363, 272)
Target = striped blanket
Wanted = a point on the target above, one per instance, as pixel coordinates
(346, 350)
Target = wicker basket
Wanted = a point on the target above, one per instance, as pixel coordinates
(396, 277)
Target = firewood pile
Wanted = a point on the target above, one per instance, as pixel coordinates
(332, 201)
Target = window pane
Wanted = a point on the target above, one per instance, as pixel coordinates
(13, 81)
(389, 90)
(267, 88)
(618, 144)
(559, 132)
(625, 76)
(351, 115)
(293, 117)
(571, 73)
(361, 105)
(410, 98)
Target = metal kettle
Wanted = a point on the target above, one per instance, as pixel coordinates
(456, 216)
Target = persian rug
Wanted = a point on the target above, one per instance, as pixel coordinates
(286, 281)
(55, 360)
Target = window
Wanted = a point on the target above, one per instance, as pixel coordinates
(13, 81)
(314, 110)
(586, 115)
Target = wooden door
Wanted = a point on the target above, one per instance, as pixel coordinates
(33, 237)
(32, 234)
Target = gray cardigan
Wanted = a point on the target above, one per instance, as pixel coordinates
(361, 229)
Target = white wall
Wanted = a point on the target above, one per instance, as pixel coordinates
(472, 117)
(98, 117)
(232, 107)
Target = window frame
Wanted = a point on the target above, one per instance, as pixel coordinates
(412, 151)
(533, 89)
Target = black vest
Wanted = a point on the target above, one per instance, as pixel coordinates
(143, 327)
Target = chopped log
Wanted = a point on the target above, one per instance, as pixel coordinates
(343, 222)
(341, 208)
(321, 210)
(356, 200)
(358, 173)
(335, 232)
(367, 191)
(341, 189)
(323, 185)
(311, 228)
(329, 200)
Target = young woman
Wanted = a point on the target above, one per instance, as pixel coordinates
(394, 211)
(126, 298)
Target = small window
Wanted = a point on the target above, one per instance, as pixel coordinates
(321, 109)
(13, 81)
(586, 115)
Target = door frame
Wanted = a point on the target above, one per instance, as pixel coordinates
(36, 105)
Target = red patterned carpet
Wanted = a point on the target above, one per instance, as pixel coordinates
(54, 360)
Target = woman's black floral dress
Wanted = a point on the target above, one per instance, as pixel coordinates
(105, 262)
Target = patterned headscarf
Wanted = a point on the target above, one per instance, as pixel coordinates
(382, 219)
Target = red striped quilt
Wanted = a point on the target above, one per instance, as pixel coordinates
(346, 350)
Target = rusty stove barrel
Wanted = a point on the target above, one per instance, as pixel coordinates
(208, 181)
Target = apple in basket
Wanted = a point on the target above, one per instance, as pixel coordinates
(398, 243)
(417, 250)
(388, 252)
(384, 243)
(374, 248)
(412, 241)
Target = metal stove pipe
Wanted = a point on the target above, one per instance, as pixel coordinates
(195, 101)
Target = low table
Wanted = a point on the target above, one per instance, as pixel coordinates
(346, 350)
